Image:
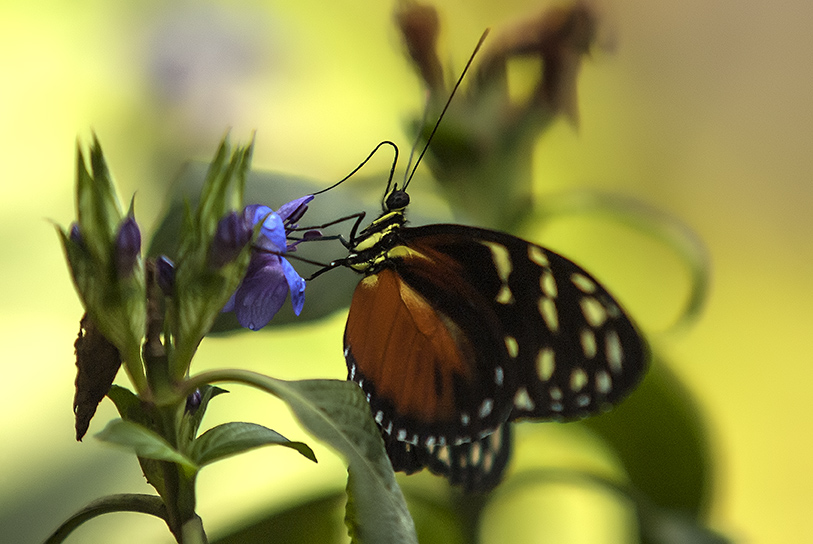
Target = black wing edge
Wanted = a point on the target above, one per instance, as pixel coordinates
(476, 466)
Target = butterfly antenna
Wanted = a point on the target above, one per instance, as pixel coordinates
(446, 107)
(365, 161)
(417, 137)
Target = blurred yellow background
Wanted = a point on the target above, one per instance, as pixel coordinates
(701, 109)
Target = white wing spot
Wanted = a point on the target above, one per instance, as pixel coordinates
(401, 435)
(578, 379)
(485, 408)
(582, 400)
(548, 310)
(556, 406)
(612, 309)
(613, 351)
(430, 441)
(545, 364)
(379, 417)
(583, 283)
(488, 461)
(588, 341)
(501, 259)
(511, 345)
(499, 376)
(537, 255)
(555, 393)
(474, 453)
(347, 352)
(464, 418)
(504, 295)
(594, 313)
(547, 283)
(604, 383)
(352, 368)
(522, 400)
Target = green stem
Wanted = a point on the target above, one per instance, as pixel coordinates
(232, 375)
(126, 502)
(179, 483)
(134, 367)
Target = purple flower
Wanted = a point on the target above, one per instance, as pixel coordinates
(270, 276)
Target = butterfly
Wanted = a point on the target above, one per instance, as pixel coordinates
(455, 331)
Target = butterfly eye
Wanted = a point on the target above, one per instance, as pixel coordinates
(397, 200)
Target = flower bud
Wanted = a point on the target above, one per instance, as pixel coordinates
(231, 236)
(128, 247)
(166, 275)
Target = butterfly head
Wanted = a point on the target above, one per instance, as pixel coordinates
(396, 200)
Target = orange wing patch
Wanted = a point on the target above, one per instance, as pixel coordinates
(408, 350)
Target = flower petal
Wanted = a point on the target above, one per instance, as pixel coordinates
(296, 284)
(262, 293)
(272, 232)
(295, 209)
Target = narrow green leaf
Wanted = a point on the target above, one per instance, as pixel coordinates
(126, 502)
(128, 404)
(659, 435)
(336, 412)
(236, 437)
(144, 442)
(665, 526)
(192, 420)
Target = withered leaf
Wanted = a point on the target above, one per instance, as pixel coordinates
(97, 362)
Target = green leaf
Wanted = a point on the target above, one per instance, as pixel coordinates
(128, 405)
(315, 520)
(126, 502)
(144, 442)
(236, 437)
(658, 434)
(337, 412)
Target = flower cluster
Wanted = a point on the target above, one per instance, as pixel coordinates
(270, 276)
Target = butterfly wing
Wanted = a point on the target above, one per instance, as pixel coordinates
(462, 329)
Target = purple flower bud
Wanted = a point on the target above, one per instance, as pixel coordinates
(166, 275)
(128, 247)
(193, 402)
(75, 235)
(231, 236)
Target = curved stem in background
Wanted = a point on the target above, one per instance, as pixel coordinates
(648, 220)
(125, 502)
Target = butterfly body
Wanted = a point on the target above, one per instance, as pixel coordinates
(455, 331)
